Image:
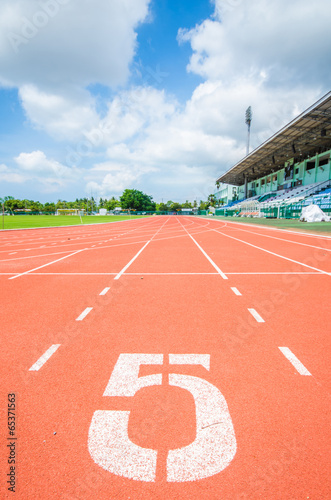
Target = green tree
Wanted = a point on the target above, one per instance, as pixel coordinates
(187, 204)
(12, 204)
(211, 200)
(175, 207)
(162, 207)
(203, 205)
(112, 203)
(137, 200)
(49, 207)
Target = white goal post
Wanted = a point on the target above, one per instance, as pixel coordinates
(70, 211)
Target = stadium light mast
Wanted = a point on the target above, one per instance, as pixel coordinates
(248, 121)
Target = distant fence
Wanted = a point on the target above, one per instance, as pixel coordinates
(31, 213)
(285, 211)
(122, 212)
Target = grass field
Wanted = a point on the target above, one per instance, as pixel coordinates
(30, 221)
(323, 227)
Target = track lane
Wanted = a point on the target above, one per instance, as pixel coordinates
(276, 456)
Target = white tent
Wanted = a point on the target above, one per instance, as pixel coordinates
(313, 213)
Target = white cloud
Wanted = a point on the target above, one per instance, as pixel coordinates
(52, 43)
(110, 178)
(7, 175)
(62, 116)
(287, 41)
(37, 162)
(50, 175)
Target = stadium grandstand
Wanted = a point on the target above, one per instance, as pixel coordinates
(292, 168)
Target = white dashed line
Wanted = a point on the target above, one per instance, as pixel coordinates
(13, 253)
(45, 357)
(256, 315)
(235, 290)
(105, 291)
(84, 314)
(294, 361)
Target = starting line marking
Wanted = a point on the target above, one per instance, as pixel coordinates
(45, 357)
(84, 314)
(104, 291)
(256, 315)
(235, 290)
(168, 274)
(294, 361)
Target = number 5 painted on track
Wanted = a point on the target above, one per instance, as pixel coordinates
(212, 450)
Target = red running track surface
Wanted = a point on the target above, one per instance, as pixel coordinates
(167, 379)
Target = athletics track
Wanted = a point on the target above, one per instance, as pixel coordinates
(166, 358)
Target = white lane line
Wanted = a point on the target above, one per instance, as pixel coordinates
(131, 261)
(104, 291)
(45, 357)
(294, 361)
(256, 315)
(210, 260)
(259, 226)
(137, 255)
(84, 314)
(272, 253)
(45, 265)
(206, 255)
(13, 253)
(285, 240)
(235, 290)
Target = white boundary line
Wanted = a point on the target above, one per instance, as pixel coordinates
(45, 357)
(205, 254)
(294, 361)
(45, 265)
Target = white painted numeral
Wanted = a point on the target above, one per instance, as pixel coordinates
(212, 450)
(125, 380)
(215, 444)
(109, 444)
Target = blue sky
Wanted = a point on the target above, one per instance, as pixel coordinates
(99, 96)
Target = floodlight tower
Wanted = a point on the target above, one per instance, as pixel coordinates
(248, 120)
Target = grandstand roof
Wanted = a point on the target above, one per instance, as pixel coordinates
(306, 135)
